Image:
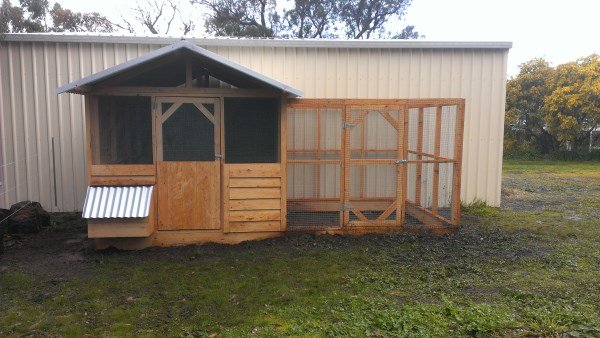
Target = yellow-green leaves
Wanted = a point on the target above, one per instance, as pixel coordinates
(554, 107)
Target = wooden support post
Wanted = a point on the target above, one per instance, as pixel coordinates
(283, 159)
(458, 149)
(436, 165)
(345, 170)
(419, 156)
(363, 150)
(402, 154)
(318, 155)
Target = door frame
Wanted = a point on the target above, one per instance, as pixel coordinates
(159, 118)
(398, 123)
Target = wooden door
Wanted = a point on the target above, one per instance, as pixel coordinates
(374, 169)
(188, 173)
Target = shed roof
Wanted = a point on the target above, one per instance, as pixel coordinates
(227, 69)
(255, 42)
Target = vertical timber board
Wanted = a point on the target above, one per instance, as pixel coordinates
(345, 174)
(405, 156)
(283, 159)
(458, 150)
(401, 168)
(419, 156)
(225, 197)
(436, 165)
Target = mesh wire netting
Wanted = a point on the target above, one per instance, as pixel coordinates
(370, 165)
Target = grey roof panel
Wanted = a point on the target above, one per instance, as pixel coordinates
(183, 44)
(255, 42)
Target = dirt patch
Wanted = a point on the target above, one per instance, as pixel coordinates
(59, 253)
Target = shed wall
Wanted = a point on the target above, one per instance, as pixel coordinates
(43, 151)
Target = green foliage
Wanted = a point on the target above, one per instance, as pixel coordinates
(574, 105)
(311, 19)
(516, 150)
(364, 19)
(550, 109)
(569, 155)
(479, 208)
(245, 18)
(356, 19)
(36, 16)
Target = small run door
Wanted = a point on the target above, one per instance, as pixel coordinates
(375, 172)
(188, 173)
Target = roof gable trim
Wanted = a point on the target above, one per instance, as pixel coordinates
(183, 44)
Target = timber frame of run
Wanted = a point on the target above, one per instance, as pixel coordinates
(353, 155)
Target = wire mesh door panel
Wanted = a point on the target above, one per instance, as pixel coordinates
(374, 171)
(188, 168)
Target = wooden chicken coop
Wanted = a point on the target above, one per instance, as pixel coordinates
(185, 146)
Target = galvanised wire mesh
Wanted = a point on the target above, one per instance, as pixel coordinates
(372, 164)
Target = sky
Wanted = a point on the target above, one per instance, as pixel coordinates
(560, 31)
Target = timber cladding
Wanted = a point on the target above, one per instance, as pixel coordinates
(252, 197)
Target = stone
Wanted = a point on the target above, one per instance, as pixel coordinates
(28, 217)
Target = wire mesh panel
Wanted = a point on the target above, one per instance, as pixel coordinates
(314, 167)
(432, 173)
(363, 163)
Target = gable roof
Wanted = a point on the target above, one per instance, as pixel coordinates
(207, 56)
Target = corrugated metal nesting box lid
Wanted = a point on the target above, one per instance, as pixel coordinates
(117, 202)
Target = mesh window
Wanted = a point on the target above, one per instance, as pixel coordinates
(188, 135)
(251, 130)
(124, 130)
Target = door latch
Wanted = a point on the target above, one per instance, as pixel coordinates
(401, 161)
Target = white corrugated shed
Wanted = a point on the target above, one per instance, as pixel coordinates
(43, 143)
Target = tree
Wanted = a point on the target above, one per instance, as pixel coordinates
(241, 18)
(357, 19)
(367, 18)
(574, 105)
(157, 17)
(408, 33)
(32, 16)
(65, 20)
(525, 98)
(312, 18)
(554, 108)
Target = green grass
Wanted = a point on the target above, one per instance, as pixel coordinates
(531, 268)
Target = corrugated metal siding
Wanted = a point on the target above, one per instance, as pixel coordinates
(117, 202)
(32, 115)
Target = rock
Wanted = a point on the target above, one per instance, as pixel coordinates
(29, 217)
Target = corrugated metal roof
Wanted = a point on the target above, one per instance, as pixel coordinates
(255, 42)
(117, 202)
(183, 44)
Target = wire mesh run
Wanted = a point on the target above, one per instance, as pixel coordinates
(374, 163)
